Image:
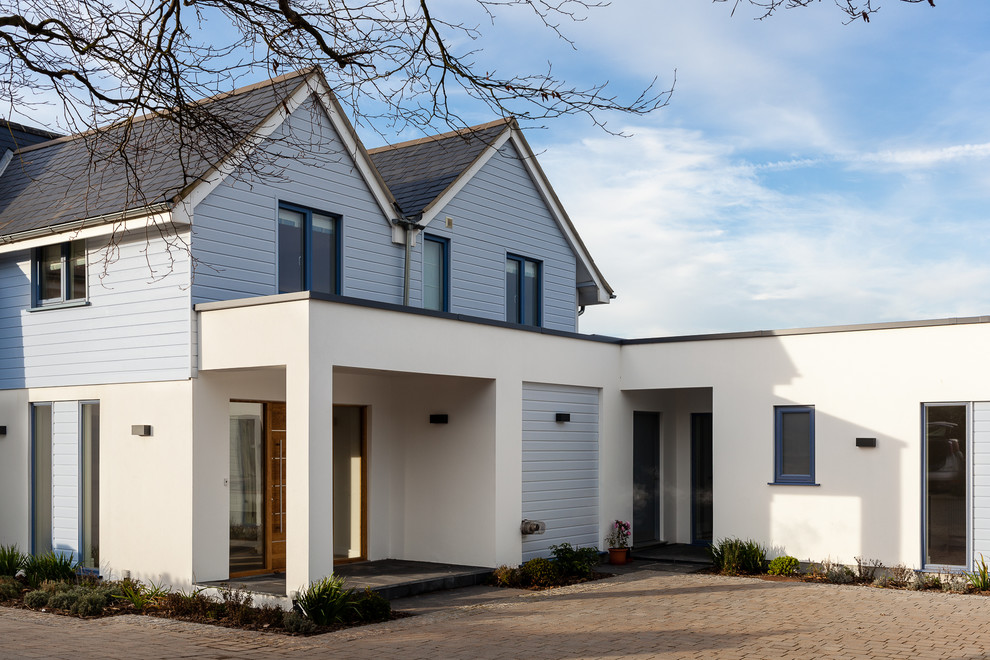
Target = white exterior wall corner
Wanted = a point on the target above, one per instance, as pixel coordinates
(863, 384)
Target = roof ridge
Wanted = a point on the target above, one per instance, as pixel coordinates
(506, 121)
(299, 73)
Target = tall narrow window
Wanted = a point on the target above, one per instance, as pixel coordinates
(60, 273)
(435, 274)
(794, 445)
(946, 527)
(308, 250)
(41, 478)
(522, 290)
(90, 472)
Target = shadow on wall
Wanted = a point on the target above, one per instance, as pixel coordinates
(857, 505)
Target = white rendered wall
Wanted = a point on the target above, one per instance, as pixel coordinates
(15, 470)
(145, 482)
(862, 384)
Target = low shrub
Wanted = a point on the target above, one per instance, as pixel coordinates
(900, 575)
(11, 560)
(64, 600)
(297, 623)
(574, 562)
(237, 605)
(979, 579)
(925, 581)
(784, 565)
(193, 604)
(372, 607)
(52, 566)
(36, 599)
(90, 603)
(327, 602)
(840, 574)
(9, 589)
(738, 557)
(866, 569)
(507, 576)
(540, 572)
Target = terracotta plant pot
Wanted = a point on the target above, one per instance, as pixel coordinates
(618, 556)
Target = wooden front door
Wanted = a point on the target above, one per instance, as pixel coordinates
(275, 485)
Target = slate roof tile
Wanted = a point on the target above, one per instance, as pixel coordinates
(419, 171)
(85, 175)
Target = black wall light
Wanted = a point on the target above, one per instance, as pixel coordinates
(866, 442)
(3, 430)
(438, 419)
(143, 430)
(563, 417)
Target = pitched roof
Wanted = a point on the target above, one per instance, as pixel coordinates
(17, 136)
(86, 175)
(419, 171)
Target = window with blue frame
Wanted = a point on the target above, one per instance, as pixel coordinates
(308, 250)
(59, 273)
(436, 273)
(794, 445)
(522, 290)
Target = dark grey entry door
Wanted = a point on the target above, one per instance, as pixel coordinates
(701, 477)
(646, 477)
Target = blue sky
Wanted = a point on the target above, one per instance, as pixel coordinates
(805, 173)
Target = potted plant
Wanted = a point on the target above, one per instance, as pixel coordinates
(617, 541)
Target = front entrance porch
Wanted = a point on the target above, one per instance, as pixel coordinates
(672, 466)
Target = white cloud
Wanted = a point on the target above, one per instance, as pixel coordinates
(693, 241)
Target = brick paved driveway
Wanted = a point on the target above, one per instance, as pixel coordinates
(645, 614)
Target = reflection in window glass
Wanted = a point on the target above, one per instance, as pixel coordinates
(946, 432)
(77, 271)
(50, 272)
(512, 291)
(41, 459)
(324, 254)
(247, 487)
(434, 274)
(90, 513)
(290, 251)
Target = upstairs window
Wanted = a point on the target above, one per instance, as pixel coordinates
(308, 250)
(794, 445)
(60, 273)
(436, 273)
(522, 290)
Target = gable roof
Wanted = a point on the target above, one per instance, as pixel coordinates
(419, 171)
(425, 174)
(86, 177)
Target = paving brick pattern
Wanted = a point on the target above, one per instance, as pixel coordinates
(644, 614)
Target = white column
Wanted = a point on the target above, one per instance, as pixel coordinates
(309, 459)
(508, 469)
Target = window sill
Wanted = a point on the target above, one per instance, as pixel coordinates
(792, 483)
(61, 305)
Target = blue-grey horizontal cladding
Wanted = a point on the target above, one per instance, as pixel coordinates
(135, 327)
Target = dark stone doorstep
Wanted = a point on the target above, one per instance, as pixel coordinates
(393, 578)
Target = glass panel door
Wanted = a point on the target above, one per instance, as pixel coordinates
(247, 488)
(946, 513)
(41, 459)
(90, 470)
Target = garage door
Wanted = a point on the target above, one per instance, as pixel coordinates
(560, 466)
